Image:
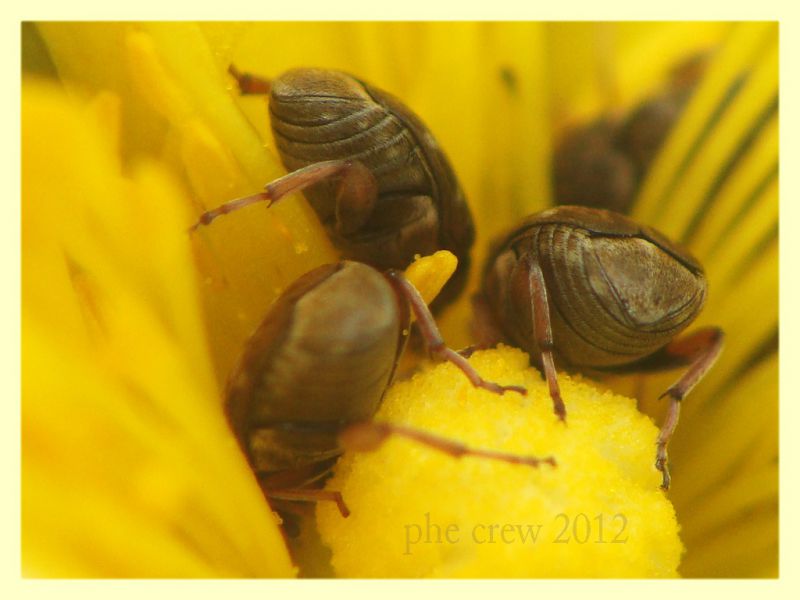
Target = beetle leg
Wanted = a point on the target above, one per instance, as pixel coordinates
(540, 317)
(701, 348)
(370, 435)
(358, 192)
(230, 206)
(306, 495)
(433, 338)
(250, 84)
(355, 198)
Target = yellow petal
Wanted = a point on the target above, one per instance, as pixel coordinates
(121, 415)
(749, 46)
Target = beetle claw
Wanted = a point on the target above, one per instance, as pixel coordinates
(661, 465)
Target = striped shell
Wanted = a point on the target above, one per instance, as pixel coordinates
(617, 291)
(320, 115)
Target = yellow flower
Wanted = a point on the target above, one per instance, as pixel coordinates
(130, 329)
(419, 513)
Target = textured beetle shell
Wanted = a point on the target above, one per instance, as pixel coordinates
(320, 115)
(602, 164)
(590, 171)
(617, 291)
(646, 128)
(322, 358)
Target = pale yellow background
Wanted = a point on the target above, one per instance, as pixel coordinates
(13, 586)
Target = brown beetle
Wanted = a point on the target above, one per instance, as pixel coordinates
(602, 164)
(314, 373)
(374, 174)
(593, 290)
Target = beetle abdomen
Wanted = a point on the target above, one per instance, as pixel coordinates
(613, 299)
(617, 291)
(295, 385)
(320, 115)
